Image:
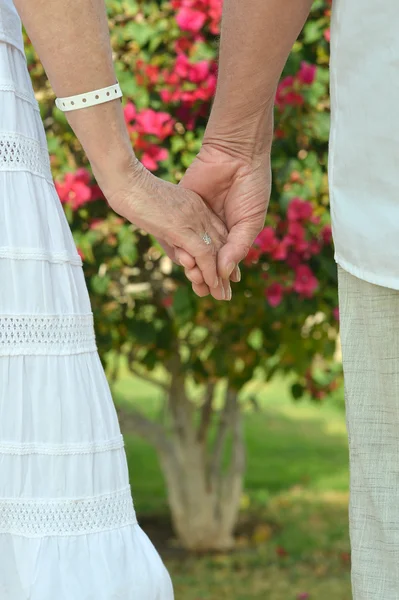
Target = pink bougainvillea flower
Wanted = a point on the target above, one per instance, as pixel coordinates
(336, 313)
(95, 223)
(160, 124)
(327, 35)
(307, 73)
(280, 252)
(296, 236)
(82, 256)
(187, 116)
(286, 95)
(252, 256)
(315, 219)
(215, 14)
(266, 240)
(326, 234)
(129, 112)
(305, 282)
(196, 72)
(299, 210)
(167, 301)
(189, 19)
(314, 246)
(274, 294)
(74, 190)
(152, 156)
(303, 596)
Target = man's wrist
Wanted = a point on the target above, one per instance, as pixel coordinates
(245, 134)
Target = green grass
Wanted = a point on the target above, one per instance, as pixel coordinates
(293, 532)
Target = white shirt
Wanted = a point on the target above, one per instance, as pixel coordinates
(364, 139)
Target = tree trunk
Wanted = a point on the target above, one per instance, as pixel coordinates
(204, 497)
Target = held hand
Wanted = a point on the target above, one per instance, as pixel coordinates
(176, 216)
(238, 191)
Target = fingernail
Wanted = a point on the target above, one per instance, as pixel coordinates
(229, 293)
(230, 268)
(223, 293)
(216, 282)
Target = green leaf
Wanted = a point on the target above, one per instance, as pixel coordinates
(143, 331)
(177, 144)
(139, 32)
(100, 284)
(183, 302)
(297, 391)
(313, 31)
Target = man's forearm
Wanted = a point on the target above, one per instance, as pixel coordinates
(72, 40)
(256, 38)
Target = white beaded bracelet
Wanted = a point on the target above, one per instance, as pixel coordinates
(89, 98)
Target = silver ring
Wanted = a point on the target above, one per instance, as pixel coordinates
(206, 238)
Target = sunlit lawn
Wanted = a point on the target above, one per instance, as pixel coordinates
(293, 533)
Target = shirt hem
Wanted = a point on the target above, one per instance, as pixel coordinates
(380, 280)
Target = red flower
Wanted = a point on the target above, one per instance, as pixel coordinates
(314, 247)
(286, 95)
(293, 260)
(167, 301)
(95, 223)
(280, 551)
(336, 313)
(155, 123)
(280, 252)
(307, 73)
(82, 256)
(252, 256)
(74, 189)
(266, 240)
(189, 19)
(299, 210)
(274, 294)
(327, 35)
(305, 282)
(296, 236)
(152, 154)
(326, 234)
(129, 112)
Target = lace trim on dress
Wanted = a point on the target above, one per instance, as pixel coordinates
(21, 153)
(38, 254)
(46, 334)
(22, 448)
(24, 95)
(36, 517)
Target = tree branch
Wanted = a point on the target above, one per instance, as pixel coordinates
(134, 421)
(180, 406)
(206, 412)
(144, 377)
(224, 423)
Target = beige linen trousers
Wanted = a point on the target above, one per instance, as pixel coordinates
(369, 325)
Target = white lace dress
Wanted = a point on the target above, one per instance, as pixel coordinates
(68, 529)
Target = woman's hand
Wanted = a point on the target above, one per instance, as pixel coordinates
(177, 217)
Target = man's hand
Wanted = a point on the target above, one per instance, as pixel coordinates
(237, 189)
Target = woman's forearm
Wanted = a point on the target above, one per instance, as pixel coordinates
(71, 38)
(256, 38)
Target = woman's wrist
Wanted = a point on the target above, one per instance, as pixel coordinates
(116, 172)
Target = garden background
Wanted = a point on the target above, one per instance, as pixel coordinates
(232, 413)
